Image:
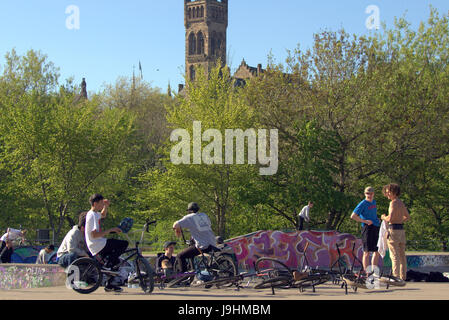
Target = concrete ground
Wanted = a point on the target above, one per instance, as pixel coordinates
(328, 291)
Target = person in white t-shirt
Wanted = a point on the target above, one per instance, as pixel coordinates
(11, 235)
(6, 245)
(108, 250)
(45, 254)
(200, 228)
(304, 215)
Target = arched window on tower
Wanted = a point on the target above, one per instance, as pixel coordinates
(190, 13)
(200, 42)
(192, 44)
(192, 73)
(202, 11)
(213, 43)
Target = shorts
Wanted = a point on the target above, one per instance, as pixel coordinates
(370, 236)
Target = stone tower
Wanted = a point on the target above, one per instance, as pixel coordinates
(206, 22)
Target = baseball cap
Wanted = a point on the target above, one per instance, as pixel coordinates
(193, 206)
(369, 190)
(169, 243)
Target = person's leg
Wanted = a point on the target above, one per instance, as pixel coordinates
(373, 239)
(365, 260)
(366, 247)
(185, 254)
(394, 253)
(301, 223)
(112, 251)
(375, 259)
(403, 257)
(6, 255)
(67, 259)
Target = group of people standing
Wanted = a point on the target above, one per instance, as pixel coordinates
(366, 214)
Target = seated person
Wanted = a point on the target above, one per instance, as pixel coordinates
(166, 260)
(45, 254)
(74, 244)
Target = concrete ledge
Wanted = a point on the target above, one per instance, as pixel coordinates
(427, 260)
(26, 276)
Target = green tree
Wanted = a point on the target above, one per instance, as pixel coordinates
(55, 149)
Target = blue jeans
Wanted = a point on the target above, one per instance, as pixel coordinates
(67, 259)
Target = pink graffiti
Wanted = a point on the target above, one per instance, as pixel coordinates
(288, 247)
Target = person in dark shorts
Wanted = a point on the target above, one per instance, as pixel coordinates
(366, 214)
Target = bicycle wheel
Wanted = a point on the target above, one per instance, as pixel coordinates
(312, 281)
(392, 281)
(223, 268)
(355, 282)
(275, 282)
(273, 272)
(84, 275)
(145, 274)
(181, 280)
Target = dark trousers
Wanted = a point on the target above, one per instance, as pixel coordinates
(5, 253)
(113, 249)
(188, 253)
(301, 223)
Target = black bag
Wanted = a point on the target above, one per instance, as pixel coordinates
(416, 276)
(436, 277)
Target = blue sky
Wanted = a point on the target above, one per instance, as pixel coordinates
(114, 35)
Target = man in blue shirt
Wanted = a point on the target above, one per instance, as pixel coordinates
(366, 214)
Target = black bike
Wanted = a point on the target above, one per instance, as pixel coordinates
(85, 275)
(213, 265)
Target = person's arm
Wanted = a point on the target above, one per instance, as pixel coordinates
(406, 214)
(104, 212)
(101, 234)
(94, 233)
(177, 229)
(356, 217)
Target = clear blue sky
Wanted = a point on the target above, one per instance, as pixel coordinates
(115, 34)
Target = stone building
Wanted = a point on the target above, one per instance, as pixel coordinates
(206, 23)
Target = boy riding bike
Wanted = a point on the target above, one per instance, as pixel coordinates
(95, 238)
(200, 228)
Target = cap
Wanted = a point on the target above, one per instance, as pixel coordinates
(369, 190)
(193, 206)
(169, 243)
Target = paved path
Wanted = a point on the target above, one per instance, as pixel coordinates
(412, 291)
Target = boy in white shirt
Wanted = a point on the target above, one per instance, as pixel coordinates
(305, 215)
(106, 249)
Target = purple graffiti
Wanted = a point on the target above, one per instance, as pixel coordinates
(288, 247)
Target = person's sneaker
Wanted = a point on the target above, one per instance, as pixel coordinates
(112, 288)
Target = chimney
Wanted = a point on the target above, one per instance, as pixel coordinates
(259, 69)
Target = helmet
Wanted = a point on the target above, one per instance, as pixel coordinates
(193, 206)
(126, 225)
